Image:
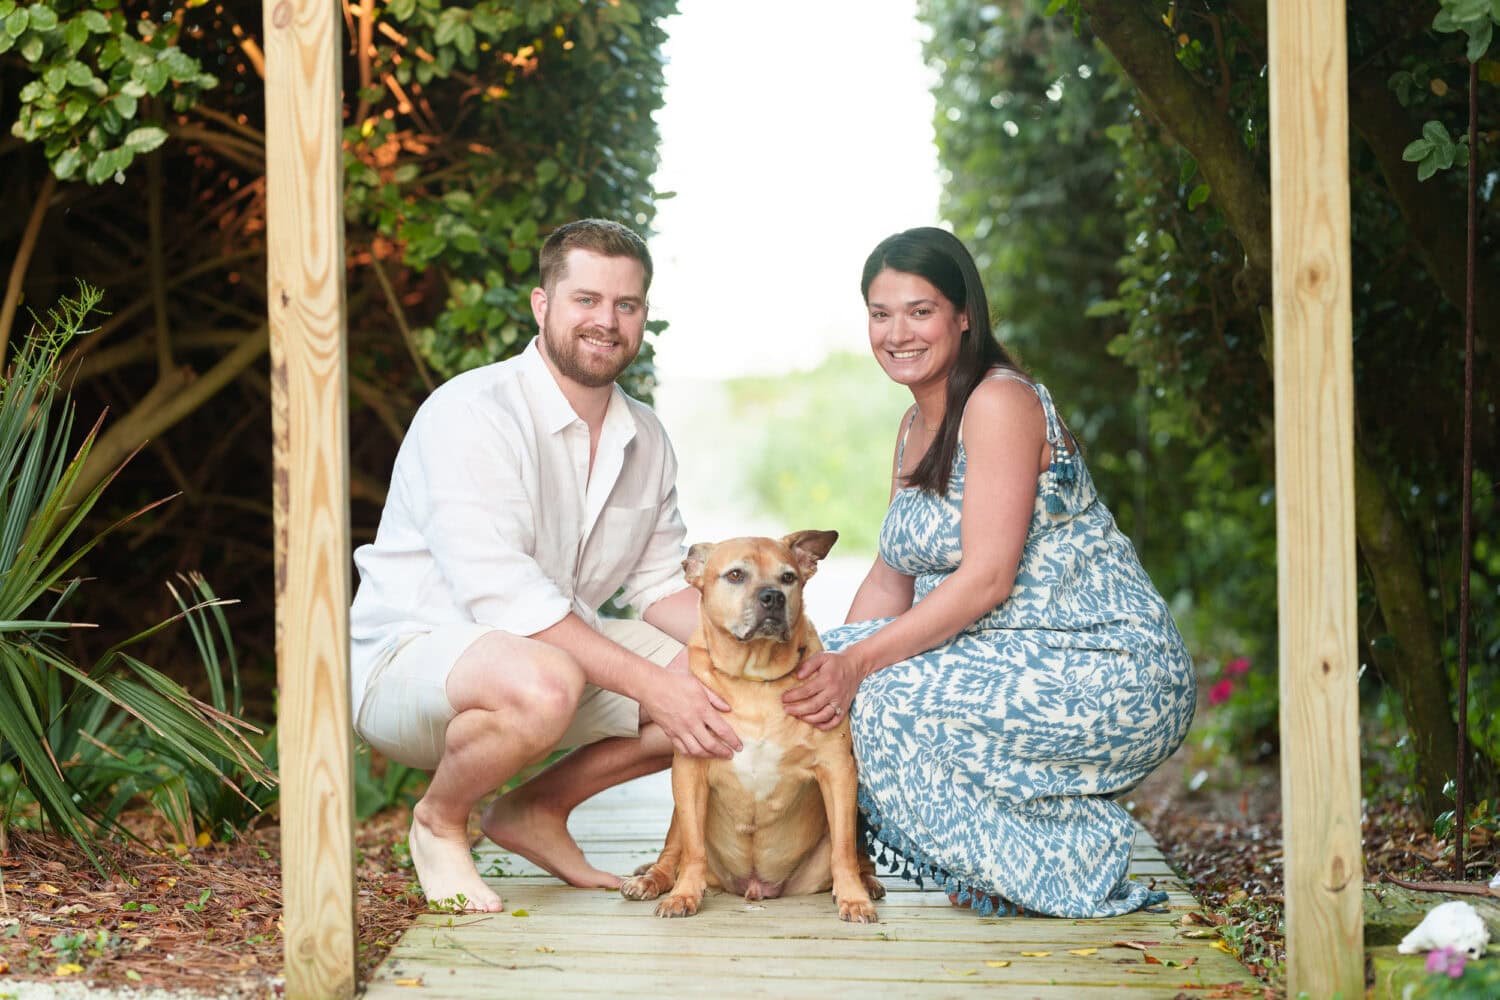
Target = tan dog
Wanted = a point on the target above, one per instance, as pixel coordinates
(778, 818)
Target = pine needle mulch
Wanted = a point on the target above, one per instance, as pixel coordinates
(204, 919)
(1227, 844)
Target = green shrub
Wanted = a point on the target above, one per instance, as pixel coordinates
(83, 741)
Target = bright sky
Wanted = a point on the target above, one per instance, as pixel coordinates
(797, 135)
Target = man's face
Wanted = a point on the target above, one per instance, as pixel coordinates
(593, 320)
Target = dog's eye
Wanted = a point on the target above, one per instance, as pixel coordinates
(789, 578)
(735, 575)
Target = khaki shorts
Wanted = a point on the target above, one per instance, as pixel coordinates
(406, 711)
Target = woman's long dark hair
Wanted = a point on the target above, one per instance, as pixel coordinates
(939, 257)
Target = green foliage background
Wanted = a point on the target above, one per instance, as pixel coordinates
(136, 148)
(1098, 234)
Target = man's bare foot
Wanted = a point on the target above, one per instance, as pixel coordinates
(447, 873)
(540, 835)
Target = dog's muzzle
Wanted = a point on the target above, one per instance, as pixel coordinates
(770, 614)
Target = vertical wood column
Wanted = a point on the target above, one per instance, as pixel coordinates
(1315, 497)
(305, 288)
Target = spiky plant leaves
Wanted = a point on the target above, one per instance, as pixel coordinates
(88, 741)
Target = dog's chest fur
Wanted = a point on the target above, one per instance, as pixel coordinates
(773, 774)
(774, 765)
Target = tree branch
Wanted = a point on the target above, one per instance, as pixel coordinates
(157, 265)
(1171, 96)
(23, 258)
(173, 397)
(1427, 209)
(400, 315)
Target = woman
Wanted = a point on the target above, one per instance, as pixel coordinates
(1008, 667)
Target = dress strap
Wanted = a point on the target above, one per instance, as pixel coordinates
(901, 447)
(1055, 436)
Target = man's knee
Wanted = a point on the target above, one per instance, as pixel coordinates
(521, 678)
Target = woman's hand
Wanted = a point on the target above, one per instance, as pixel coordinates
(829, 681)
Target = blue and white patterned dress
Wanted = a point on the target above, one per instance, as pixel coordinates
(990, 764)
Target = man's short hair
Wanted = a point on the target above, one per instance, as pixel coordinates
(600, 236)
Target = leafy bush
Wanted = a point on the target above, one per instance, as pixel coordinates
(83, 741)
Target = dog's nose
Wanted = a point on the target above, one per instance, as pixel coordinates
(771, 599)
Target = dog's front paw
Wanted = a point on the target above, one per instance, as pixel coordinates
(678, 905)
(873, 885)
(646, 885)
(857, 911)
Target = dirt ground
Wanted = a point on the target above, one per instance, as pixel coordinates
(207, 918)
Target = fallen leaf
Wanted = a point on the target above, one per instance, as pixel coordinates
(519, 913)
(998, 963)
(962, 972)
(68, 969)
(204, 839)
(4, 966)
(50, 890)
(410, 982)
(1035, 954)
(132, 975)
(1137, 945)
(1150, 960)
(1082, 951)
(544, 949)
(1200, 933)
(1223, 946)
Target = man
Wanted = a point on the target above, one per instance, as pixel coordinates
(525, 495)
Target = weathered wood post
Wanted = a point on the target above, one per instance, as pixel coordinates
(305, 288)
(1315, 498)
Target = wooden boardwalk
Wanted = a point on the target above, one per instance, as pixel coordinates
(556, 941)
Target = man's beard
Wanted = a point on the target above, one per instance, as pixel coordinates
(568, 357)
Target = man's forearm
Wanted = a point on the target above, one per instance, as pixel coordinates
(675, 614)
(605, 663)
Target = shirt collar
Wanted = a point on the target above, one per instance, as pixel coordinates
(553, 410)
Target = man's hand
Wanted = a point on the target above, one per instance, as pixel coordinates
(691, 715)
(829, 682)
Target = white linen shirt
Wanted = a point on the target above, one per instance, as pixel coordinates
(493, 515)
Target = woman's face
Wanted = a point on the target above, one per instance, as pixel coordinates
(914, 329)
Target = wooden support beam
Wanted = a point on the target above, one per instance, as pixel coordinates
(305, 286)
(1315, 497)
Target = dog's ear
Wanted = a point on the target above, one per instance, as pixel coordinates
(692, 566)
(808, 547)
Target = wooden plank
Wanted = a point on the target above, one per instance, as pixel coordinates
(305, 289)
(932, 926)
(1315, 496)
(921, 962)
(557, 941)
(467, 984)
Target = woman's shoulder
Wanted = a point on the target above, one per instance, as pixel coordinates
(1003, 390)
(1007, 401)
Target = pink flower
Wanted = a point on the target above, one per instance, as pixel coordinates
(1446, 960)
(1220, 692)
(1237, 666)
